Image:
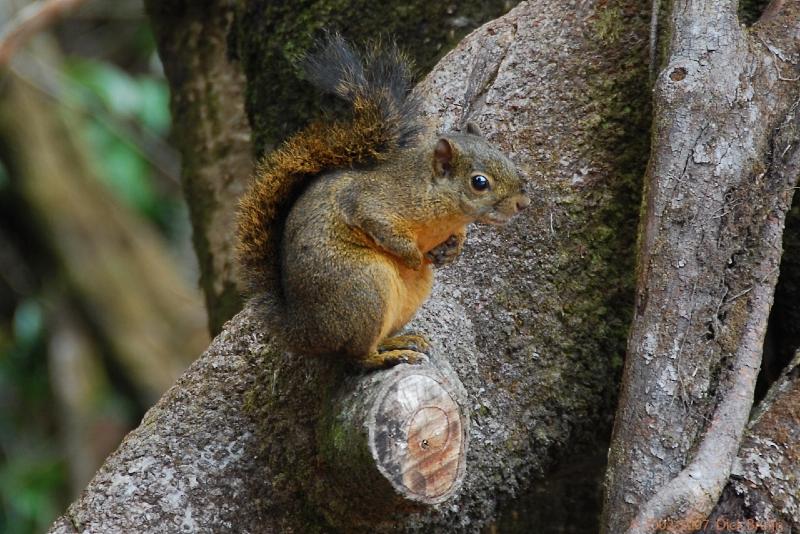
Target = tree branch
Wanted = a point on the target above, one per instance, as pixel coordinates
(687, 499)
(29, 21)
(708, 265)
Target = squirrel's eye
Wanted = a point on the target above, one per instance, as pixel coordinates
(480, 182)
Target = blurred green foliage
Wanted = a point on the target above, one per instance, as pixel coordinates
(125, 112)
(32, 469)
(121, 102)
(142, 98)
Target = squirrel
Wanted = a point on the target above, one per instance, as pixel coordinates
(343, 223)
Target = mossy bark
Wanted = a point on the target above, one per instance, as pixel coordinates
(525, 317)
(591, 263)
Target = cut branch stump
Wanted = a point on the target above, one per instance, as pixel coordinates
(399, 435)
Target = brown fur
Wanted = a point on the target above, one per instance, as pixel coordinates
(284, 174)
(337, 234)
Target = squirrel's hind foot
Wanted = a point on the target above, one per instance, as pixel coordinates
(412, 342)
(408, 348)
(390, 358)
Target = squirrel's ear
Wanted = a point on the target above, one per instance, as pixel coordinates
(473, 129)
(443, 157)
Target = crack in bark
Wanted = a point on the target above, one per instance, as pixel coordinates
(473, 96)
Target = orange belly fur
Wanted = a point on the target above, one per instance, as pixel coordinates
(409, 288)
(406, 293)
(435, 233)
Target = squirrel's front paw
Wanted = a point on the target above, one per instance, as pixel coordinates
(448, 251)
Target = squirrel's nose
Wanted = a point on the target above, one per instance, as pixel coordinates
(523, 202)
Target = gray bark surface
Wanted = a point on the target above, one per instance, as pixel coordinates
(719, 184)
(762, 491)
(531, 318)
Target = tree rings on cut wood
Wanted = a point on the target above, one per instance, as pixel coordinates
(417, 437)
(398, 436)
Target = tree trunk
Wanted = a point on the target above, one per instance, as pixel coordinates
(212, 134)
(718, 187)
(531, 319)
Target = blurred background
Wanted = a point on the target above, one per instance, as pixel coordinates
(99, 305)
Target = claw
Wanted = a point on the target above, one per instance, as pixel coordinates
(447, 251)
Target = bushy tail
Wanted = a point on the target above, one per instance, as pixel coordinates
(385, 118)
(377, 82)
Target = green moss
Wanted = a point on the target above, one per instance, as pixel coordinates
(608, 25)
(286, 411)
(620, 94)
(312, 455)
(271, 35)
(592, 270)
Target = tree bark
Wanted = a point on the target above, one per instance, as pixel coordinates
(525, 318)
(718, 187)
(211, 130)
(762, 492)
